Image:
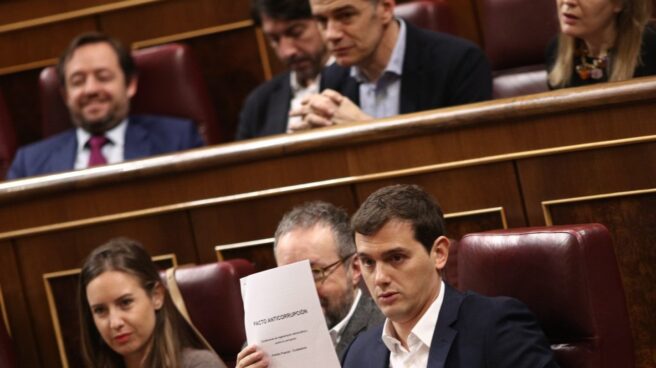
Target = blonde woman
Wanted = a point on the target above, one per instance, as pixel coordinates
(127, 317)
(602, 41)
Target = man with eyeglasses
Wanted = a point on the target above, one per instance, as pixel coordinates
(321, 233)
(402, 249)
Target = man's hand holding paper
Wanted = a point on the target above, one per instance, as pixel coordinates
(285, 325)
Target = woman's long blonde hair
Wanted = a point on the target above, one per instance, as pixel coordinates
(630, 24)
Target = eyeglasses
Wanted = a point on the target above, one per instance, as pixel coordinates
(321, 274)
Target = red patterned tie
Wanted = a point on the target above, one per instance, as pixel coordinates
(96, 143)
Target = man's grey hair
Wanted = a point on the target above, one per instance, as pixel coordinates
(312, 213)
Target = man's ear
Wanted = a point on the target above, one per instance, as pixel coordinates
(440, 252)
(356, 271)
(132, 86)
(387, 10)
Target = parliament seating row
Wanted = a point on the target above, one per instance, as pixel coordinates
(170, 81)
(221, 321)
(567, 275)
(515, 35)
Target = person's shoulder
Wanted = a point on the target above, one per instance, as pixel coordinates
(166, 132)
(495, 305)
(371, 334)
(200, 358)
(513, 335)
(268, 87)
(369, 307)
(159, 121)
(439, 40)
(49, 144)
(29, 159)
(489, 313)
(366, 343)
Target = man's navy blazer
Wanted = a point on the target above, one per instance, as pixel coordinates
(472, 331)
(439, 70)
(144, 136)
(265, 111)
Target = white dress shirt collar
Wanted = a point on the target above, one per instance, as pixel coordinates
(419, 340)
(336, 331)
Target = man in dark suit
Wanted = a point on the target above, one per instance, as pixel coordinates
(399, 234)
(320, 232)
(99, 78)
(294, 36)
(391, 67)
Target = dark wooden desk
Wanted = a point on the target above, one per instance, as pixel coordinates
(579, 155)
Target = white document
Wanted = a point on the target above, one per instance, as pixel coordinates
(283, 316)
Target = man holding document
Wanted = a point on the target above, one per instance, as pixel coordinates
(320, 232)
(399, 233)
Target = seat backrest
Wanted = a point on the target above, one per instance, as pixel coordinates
(170, 83)
(519, 81)
(568, 276)
(434, 15)
(7, 354)
(212, 296)
(515, 36)
(516, 32)
(450, 272)
(7, 138)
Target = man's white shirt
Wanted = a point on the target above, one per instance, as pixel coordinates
(419, 340)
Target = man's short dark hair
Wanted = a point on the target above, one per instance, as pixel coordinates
(402, 202)
(125, 59)
(314, 213)
(280, 10)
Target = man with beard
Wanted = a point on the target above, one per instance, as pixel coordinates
(98, 79)
(321, 233)
(402, 249)
(294, 36)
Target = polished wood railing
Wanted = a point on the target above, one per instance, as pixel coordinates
(579, 155)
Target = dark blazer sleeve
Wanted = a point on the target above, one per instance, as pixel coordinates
(338, 78)
(265, 110)
(17, 168)
(471, 79)
(249, 117)
(53, 154)
(515, 339)
(366, 315)
(441, 70)
(149, 135)
(367, 351)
